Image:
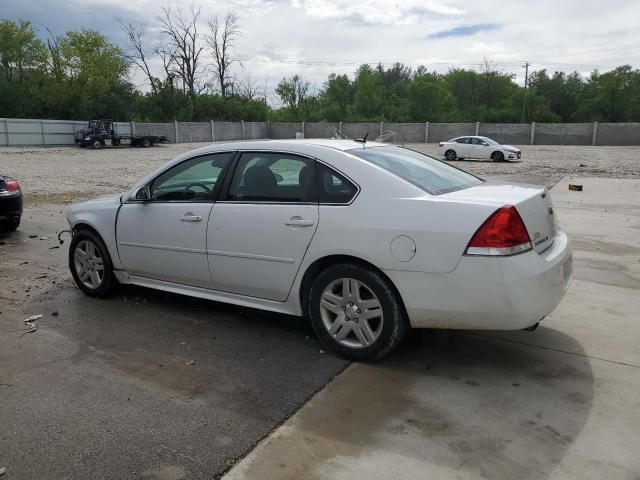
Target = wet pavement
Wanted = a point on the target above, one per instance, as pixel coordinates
(145, 384)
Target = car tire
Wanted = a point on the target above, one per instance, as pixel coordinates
(146, 143)
(93, 271)
(497, 157)
(335, 317)
(97, 144)
(11, 224)
(450, 155)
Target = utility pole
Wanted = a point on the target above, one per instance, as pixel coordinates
(524, 99)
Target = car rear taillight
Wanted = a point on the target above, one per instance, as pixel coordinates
(503, 233)
(12, 185)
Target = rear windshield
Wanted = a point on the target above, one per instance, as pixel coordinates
(429, 174)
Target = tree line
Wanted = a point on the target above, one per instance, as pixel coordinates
(83, 74)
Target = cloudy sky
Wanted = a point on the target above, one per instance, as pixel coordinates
(317, 37)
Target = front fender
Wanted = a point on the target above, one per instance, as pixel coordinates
(100, 215)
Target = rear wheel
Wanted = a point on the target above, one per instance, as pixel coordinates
(97, 144)
(356, 312)
(91, 265)
(450, 155)
(497, 157)
(146, 142)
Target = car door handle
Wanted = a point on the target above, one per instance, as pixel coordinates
(189, 217)
(299, 222)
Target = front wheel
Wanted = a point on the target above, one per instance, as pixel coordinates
(497, 157)
(146, 142)
(356, 312)
(97, 144)
(91, 265)
(450, 155)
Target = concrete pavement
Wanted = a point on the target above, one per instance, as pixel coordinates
(560, 402)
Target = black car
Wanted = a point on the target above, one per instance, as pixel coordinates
(10, 203)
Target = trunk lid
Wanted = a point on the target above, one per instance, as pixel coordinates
(533, 203)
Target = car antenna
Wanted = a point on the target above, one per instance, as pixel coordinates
(362, 140)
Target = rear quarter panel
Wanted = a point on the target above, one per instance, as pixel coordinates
(387, 207)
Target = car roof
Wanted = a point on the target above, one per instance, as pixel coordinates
(336, 144)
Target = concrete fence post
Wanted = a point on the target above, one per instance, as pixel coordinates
(44, 142)
(242, 128)
(268, 129)
(381, 128)
(175, 126)
(213, 131)
(426, 132)
(532, 136)
(594, 135)
(133, 128)
(340, 128)
(477, 128)
(303, 135)
(6, 130)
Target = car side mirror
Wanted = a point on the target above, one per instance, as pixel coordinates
(143, 194)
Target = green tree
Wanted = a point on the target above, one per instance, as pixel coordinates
(20, 49)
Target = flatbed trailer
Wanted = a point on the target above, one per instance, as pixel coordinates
(100, 133)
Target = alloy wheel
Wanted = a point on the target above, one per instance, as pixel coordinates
(89, 264)
(351, 313)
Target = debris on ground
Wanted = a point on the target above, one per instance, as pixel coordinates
(44, 238)
(574, 187)
(3, 470)
(33, 236)
(55, 313)
(29, 322)
(191, 363)
(54, 247)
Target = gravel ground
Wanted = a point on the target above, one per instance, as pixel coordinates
(62, 175)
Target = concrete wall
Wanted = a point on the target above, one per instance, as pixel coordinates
(408, 132)
(618, 134)
(17, 132)
(563, 133)
(160, 129)
(440, 132)
(194, 132)
(284, 130)
(255, 130)
(508, 133)
(358, 130)
(319, 130)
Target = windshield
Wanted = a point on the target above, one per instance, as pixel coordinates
(429, 174)
(489, 141)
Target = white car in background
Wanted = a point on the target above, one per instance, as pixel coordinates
(363, 239)
(477, 147)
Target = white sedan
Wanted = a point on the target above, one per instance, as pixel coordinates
(477, 147)
(364, 239)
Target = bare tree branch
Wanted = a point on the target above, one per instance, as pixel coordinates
(221, 40)
(181, 57)
(137, 50)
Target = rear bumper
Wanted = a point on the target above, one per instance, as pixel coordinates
(506, 293)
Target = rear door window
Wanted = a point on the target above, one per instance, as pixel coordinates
(273, 177)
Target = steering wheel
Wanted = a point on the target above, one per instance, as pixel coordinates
(197, 184)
